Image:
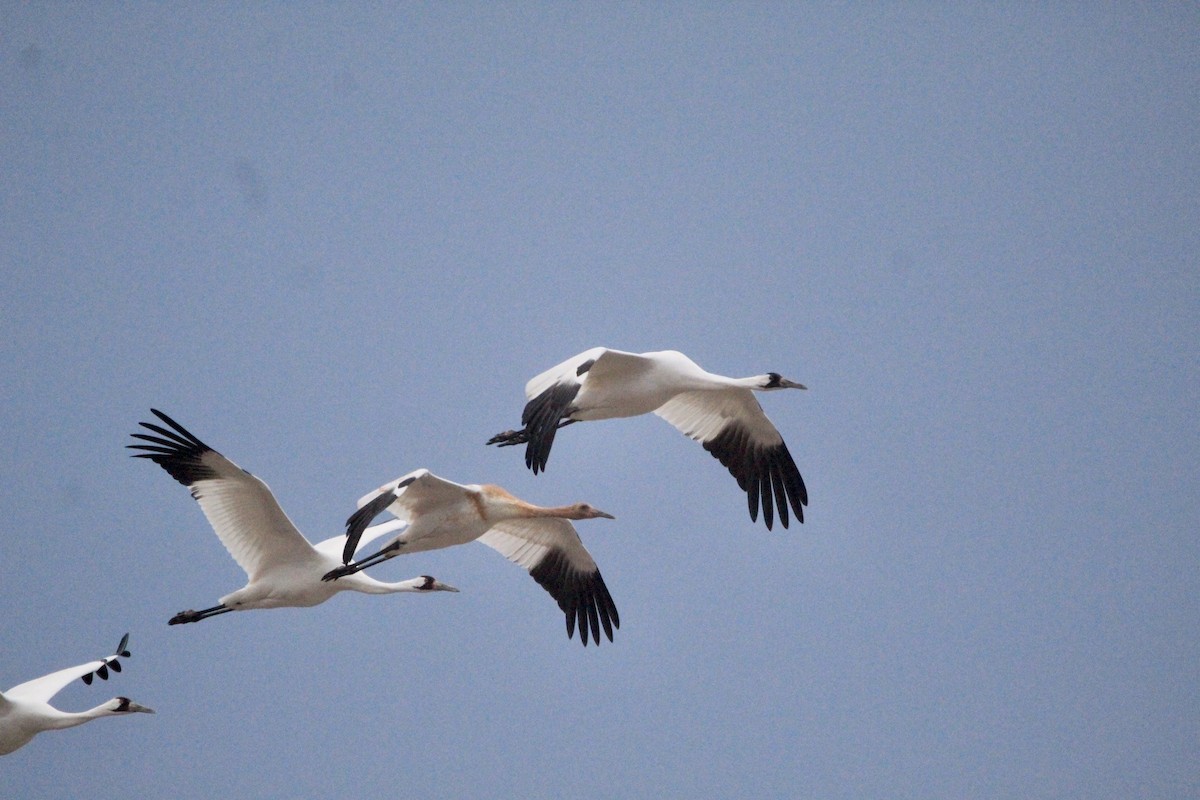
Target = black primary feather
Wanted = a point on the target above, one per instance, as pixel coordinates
(357, 522)
(177, 451)
(767, 474)
(582, 596)
(541, 417)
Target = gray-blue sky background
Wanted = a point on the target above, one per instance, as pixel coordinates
(335, 242)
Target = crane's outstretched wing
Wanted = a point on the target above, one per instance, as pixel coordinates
(731, 425)
(241, 509)
(550, 549)
(551, 394)
(418, 492)
(43, 688)
(565, 372)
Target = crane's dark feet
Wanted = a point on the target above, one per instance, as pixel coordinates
(509, 438)
(340, 572)
(184, 616)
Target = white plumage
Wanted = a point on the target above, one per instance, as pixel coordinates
(283, 568)
(441, 513)
(719, 412)
(25, 709)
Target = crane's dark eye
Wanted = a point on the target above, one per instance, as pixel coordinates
(773, 379)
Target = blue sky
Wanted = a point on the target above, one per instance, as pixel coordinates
(335, 242)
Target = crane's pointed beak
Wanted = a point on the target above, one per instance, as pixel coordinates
(438, 586)
(604, 514)
(138, 708)
(786, 384)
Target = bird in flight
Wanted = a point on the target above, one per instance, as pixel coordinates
(719, 412)
(283, 568)
(441, 513)
(25, 709)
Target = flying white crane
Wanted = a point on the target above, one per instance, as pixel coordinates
(25, 709)
(719, 412)
(284, 570)
(441, 513)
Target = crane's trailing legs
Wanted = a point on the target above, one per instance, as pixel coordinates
(196, 616)
(509, 438)
(391, 551)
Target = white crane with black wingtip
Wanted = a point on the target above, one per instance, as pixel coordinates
(283, 568)
(719, 412)
(441, 513)
(25, 709)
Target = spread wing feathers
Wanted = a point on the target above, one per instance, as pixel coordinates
(540, 419)
(732, 426)
(550, 395)
(241, 509)
(418, 492)
(551, 551)
(43, 688)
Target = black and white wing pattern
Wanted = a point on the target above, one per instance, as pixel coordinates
(44, 688)
(418, 492)
(551, 395)
(567, 372)
(731, 425)
(551, 551)
(549, 400)
(241, 509)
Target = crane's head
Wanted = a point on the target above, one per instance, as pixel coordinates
(585, 511)
(123, 705)
(432, 584)
(773, 380)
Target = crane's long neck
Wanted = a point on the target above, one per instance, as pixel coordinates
(562, 512)
(362, 582)
(755, 382)
(69, 719)
(496, 505)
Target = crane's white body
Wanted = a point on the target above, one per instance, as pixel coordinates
(719, 412)
(441, 513)
(282, 567)
(25, 709)
(293, 580)
(620, 384)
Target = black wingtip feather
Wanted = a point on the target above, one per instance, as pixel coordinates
(764, 497)
(184, 432)
(583, 597)
(357, 522)
(177, 451)
(540, 417)
(752, 499)
(768, 475)
(776, 467)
